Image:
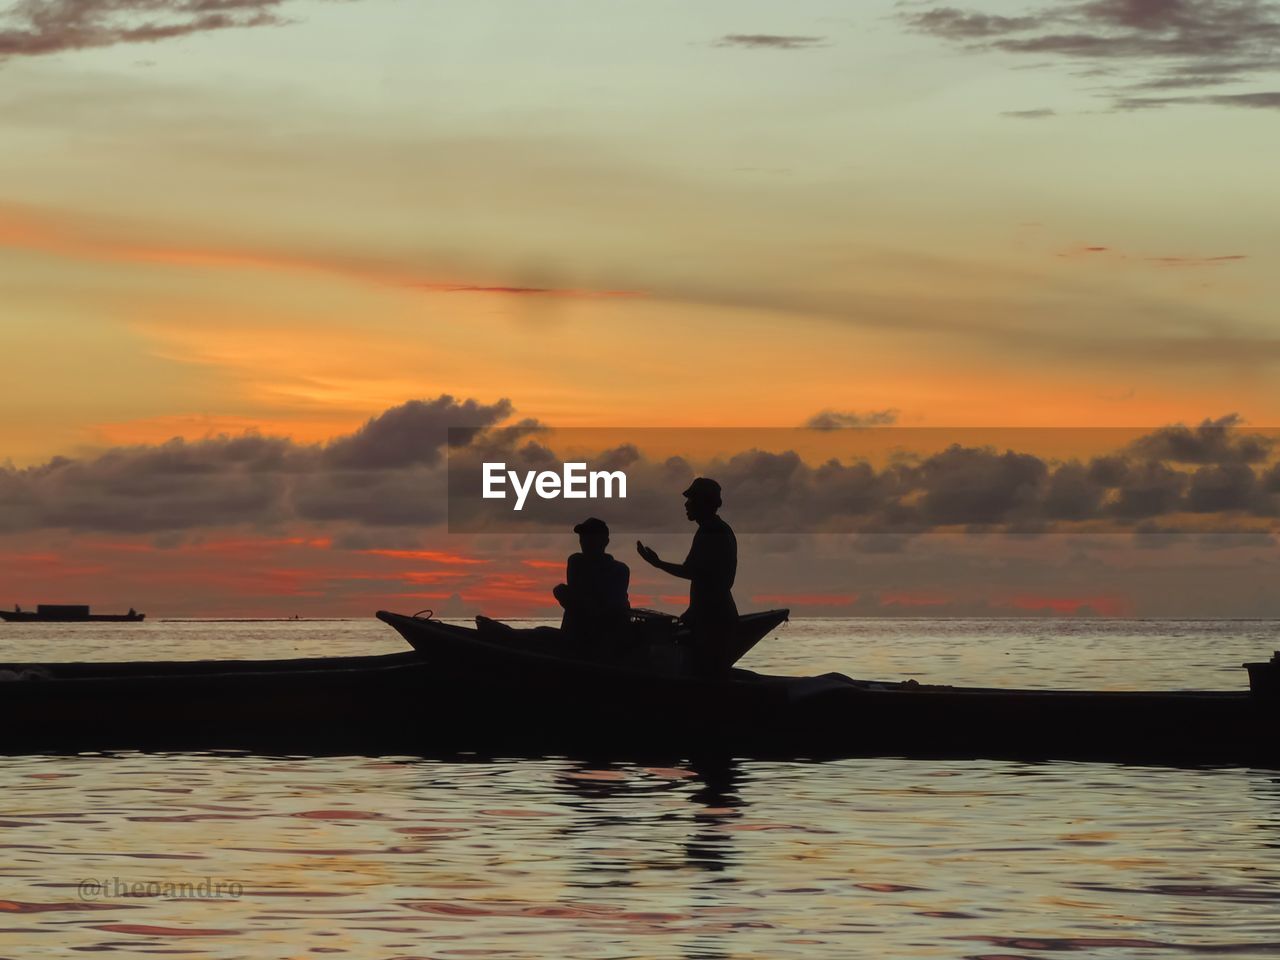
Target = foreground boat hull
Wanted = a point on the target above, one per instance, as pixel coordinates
(446, 701)
(424, 710)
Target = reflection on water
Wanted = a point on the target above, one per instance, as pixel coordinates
(225, 856)
(408, 857)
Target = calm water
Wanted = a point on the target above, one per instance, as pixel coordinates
(405, 857)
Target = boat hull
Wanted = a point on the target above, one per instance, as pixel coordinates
(665, 647)
(463, 696)
(420, 709)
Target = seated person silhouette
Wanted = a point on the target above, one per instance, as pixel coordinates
(594, 594)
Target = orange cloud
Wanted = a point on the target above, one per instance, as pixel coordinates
(1195, 261)
(48, 566)
(423, 577)
(432, 556)
(1097, 252)
(510, 589)
(65, 236)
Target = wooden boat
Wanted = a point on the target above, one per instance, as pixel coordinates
(68, 613)
(461, 692)
(833, 715)
(654, 643)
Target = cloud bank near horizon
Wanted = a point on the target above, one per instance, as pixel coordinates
(391, 473)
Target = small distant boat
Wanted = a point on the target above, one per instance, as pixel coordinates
(68, 613)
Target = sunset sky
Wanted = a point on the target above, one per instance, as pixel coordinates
(291, 216)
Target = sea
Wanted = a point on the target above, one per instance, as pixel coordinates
(233, 855)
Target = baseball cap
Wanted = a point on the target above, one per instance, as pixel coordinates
(592, 525)
(703, 487)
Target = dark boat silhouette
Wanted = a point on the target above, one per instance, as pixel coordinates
(68, 613)
(461, 691)
(659, 644)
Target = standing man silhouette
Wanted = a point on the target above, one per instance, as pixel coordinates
(710, 568)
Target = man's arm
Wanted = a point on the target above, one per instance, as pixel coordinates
(666, 566)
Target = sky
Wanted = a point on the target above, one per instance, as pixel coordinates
(291, 218)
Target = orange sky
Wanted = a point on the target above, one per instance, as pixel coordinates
(634, 221)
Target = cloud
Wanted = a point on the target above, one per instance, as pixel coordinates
(1211, 478)
(1218, 488)
(1257, 101)
(1037, 114)
(770, 41)
(1145, 44)
(1147, 489)
(390, 475)
(1110, 254)
(837, 419)
(413, 433)
(387, 473)
(1074, 492)
(966, 485)
(1212, 442)
(84, 239)
(38, 27)
(1197, 261)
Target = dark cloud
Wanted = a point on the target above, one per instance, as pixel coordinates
(1256, 101)
(964, 488)
(1221, 488)
(1147, 489)
(414, 433)
(1038, 114)
(412, 496)
(36, 27)
(1108, 471)
(387, 472)
(838, 419)
(1213, 441)
(769, 41)
(1198, 261)
(958, 25)
(174, 485)
(1075, 492)
(390, 475)
(964, 485)
(1271, 479)
(1097, 252)
(1143, 44)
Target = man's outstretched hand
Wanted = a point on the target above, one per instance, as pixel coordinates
(648, 554)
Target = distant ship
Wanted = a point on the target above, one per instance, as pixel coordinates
(68, 613)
